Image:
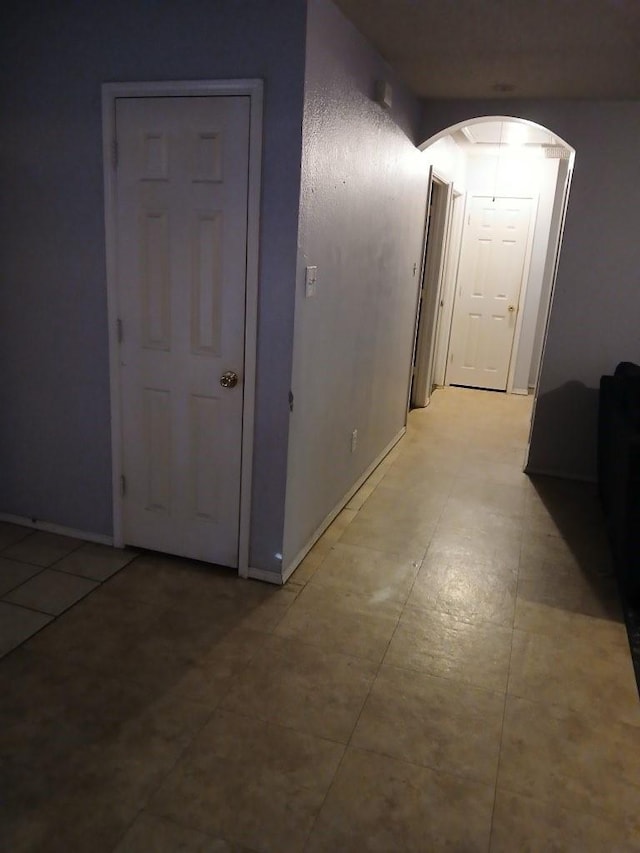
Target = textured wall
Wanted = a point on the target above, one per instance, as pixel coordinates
(362, 218)
(54, 392)
(594, 317)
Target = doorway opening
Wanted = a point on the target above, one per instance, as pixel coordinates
(431, 282)
(488, 273)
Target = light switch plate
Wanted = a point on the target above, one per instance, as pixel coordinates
(310, 280)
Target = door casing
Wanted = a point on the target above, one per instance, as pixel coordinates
(211, 88)
(429, 294)
(449, 278)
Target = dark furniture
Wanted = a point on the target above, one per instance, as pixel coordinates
(619, 470)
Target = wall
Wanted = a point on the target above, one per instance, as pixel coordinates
(54, 388)
(513, 173)
(596, 304)
(362, 215)
(449, 160)
(555, 226)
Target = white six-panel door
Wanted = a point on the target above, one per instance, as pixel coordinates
(490, 276)
(181, 214)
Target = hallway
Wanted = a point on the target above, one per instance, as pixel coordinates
(447, 669)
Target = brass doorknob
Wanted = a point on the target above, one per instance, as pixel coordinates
(229, 379)
(512, 308)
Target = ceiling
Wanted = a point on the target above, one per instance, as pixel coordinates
(507, 48)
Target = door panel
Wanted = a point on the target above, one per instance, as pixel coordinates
(181, 188)
(492, 266)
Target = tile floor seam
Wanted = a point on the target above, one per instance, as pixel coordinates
(594, 813)
(69, 606)
(181, 825)
(470, 685)
(494, 820)
(89, 577)
(457, 618)
(462, 777)
(347, 746)
(333, 779)
(88, 669)
(153, 790)
(54, 616)
(574, 709)
(31, 609)
(378, 551)
(18, 559)
(39, 570)
(504, 715)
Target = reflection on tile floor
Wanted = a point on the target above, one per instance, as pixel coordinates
(447, 670)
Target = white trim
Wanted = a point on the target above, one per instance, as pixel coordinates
(522, 296)
(550, 298)
(554, 246)
(431, 279)
(450, 277)
(49, 527)
(293, 565)
(418, 299)
(262, 575)
(250, 322)
(460, 125)
(212, 88)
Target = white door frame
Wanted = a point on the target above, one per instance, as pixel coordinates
(449, 278)
(431, 278)
(203, 88)
(535, 201)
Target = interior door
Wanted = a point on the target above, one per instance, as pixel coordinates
(182, 178)
(492, 266)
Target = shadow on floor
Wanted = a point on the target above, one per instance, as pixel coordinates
(575, 511)
(571, 511)
(97, 707)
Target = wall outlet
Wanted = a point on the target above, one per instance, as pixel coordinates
(354, 440)
(310, 280)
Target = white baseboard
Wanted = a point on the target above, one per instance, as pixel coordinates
(269, 577)
(49, 527)
(293, 565)
(524, 392)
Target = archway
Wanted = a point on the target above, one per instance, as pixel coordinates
(494, 157)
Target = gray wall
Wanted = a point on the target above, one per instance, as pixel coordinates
(54, 393)
(361, 222)
(555, 236)
(596, 305)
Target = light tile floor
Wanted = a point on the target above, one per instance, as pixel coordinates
(447, 670)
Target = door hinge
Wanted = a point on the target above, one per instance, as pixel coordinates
(123, 485)
(114, 153)
(290, 401)
(119, 328)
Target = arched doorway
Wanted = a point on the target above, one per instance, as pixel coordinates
(505, 169)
